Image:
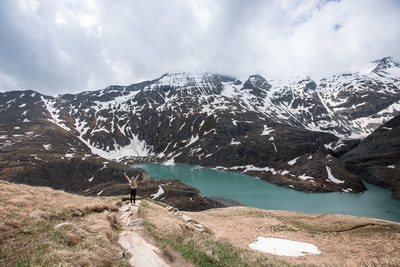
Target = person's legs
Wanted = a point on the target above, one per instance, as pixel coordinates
(134, 196)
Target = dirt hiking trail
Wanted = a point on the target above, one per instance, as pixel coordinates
(139, 246)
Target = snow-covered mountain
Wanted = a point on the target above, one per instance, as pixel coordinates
(216, 120)
(181, 110)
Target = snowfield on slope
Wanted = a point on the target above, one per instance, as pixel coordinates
(284, 247)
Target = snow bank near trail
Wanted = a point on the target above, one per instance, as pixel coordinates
(159, 193)
(284, 247)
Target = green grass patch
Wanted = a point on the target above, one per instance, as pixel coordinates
(283, 228)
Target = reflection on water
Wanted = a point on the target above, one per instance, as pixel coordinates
(253, 192)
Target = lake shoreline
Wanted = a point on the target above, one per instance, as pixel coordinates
(254, 192)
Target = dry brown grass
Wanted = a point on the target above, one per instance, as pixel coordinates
(201, 248)
(44, 227)
(344, 241)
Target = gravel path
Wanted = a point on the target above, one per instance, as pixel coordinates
(142, 253)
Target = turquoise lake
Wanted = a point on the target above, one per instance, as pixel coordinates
(253, 192)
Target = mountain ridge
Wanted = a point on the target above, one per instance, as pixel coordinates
(216, 120)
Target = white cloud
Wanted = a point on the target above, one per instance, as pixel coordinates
(7, 81)
(85, 14)
(28, 6)
(71, 45)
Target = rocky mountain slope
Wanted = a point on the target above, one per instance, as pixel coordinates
(377, 158)
(290, 132)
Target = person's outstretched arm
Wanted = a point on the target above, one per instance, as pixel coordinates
(127, 178)
(136, 178)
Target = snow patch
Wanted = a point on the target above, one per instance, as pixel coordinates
(193, 139)
(159, 193)
(47, 147)
(331, 177)
(135, 148)
(334, 145)
(267, 131)
(54, 113)
(169, 162)
(284, 247)
(276, 150)
(293, 161)
(69, 155)
(229, 90)
(305, 177)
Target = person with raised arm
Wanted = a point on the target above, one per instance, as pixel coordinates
(133, 185)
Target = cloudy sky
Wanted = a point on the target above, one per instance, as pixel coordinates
(68, 46)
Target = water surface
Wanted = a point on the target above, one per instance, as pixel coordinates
(253, 192)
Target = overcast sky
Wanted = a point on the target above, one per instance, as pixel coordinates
(69, 46)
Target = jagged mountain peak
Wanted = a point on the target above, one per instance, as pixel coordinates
(258, 85)
(257, 80)
(385, 63)
(381, 67)
(387, 68)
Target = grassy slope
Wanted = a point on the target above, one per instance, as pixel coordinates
(44, 227)
(344, 240)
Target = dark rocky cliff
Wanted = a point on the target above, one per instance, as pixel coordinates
(377, 158)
